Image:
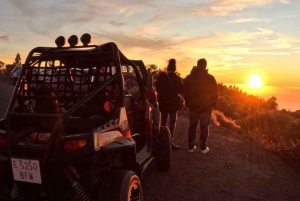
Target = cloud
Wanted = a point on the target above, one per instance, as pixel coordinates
(285, 1)
(244, 20)
(136, 40)
(230, 57)
(224, 50)
(117, 24)
(226, 7)
(239, 44)
(230, 49)
(285, 42)
(4, 37)
(46, 17)
(265, 31)
(247, 64)
(290, 16)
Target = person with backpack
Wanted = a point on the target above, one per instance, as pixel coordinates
(201, 95)
(168, 86)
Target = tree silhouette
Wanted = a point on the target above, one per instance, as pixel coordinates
(236, 104)
(1, 64)
(272, 103)
(17, 61)
(153, 69)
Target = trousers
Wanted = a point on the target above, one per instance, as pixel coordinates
(172, 123)
(204, 119)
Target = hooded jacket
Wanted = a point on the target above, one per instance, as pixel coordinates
(200, 90)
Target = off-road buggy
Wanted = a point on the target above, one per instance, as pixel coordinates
(82, 125)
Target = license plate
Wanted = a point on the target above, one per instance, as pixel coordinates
(26, 170)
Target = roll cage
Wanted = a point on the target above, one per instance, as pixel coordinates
(56, 87)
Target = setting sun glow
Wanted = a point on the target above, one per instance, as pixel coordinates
(255, 81)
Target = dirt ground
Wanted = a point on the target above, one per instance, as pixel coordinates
(234, 169)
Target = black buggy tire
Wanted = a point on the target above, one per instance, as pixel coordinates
(5, 181)
(122, 185)
(163, 158)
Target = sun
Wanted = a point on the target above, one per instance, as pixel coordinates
(255, 81)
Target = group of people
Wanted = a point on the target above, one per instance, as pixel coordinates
(200, 91)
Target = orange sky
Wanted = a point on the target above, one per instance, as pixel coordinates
(237, 37)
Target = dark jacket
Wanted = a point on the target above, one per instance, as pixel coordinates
(177, 82)
(200, 90)
(168, 86)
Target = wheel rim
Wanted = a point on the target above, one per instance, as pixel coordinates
(134, 192)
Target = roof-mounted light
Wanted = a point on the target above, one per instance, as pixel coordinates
(60, 41)
(73, 40)
(85, 39)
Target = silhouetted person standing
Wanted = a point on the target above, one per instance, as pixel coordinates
(201, 95)
(168, 86)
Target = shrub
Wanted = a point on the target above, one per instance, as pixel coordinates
(237, 104)
(3, 71)
(277, 131)
(219, 119)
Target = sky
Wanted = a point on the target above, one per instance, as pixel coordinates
(237, 37)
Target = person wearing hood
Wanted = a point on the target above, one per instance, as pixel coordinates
(201, 95)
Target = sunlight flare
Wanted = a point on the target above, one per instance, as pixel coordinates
(255, 81)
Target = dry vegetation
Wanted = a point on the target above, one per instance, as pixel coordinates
(276, 130)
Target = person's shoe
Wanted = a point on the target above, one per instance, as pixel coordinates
(205, 150)
(174, 146)
(192, 150)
